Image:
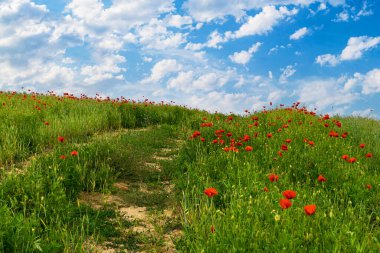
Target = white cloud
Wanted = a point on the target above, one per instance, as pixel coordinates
(371, 82)
(342, 17)
(178, 21)
(286, 73)
(366, 113)
(206, 11)
(161, 69)
(354, 50)
(243, 57)
(356, 46)
(299, 33)
(325, 94)
(322, 6)
(263, 22)
(327, 59)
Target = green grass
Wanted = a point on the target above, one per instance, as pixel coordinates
(117, 141)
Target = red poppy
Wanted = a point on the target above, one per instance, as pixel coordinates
(196, 134)
(288, 140)
(369, 187)
(368, 155)
(321, 178)
(46, 123)
(326, 125)
(352, 160)
(285, 203)
(273, 177)
(266, 189)
(74, 153)
(345, 157)
(333, 134)
(289, 194)
(269, 135)
(61, 139)
(279, 153)
(284, 147)
(210, 192)
(62, 157)
(229, 134)
(212, 229)
(203, 139)
(362, 145)
(310, 209)
(248, 148)
(311, 143)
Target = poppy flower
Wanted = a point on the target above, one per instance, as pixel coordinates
(368, 155)
(310, 209)
(284, 147)
(229, 134)
(285, 203)
(321, 178)
(210, 192)
(362, 145)
(311, 143)
(288, 140)
(369, 187)
(289, 194)
(279, 153)
(248, 148)
(203, 139)
(345, 157)
(266, 189)
(46, 123)
(196, 134)
(61, 139)
(273, 177)
(269, 135)
(74, 153)
(351, 160)
(62, 157)
(212, 229)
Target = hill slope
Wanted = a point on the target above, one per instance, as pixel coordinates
(283, 179)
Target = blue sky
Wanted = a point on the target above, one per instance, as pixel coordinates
(224, 56)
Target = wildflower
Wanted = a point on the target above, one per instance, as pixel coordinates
(74, 153)
(210, 192)
(61, 139)
(368, 155)
(46, 123)
(248, 148)
(269, 135)
(352, 160)
(196, 134)
(266, 189)
(229, 134)
(203, 139)
(273, 177)
(310, 209)
(284, 147)
(321, 178)
(362, 145)
(345, 157)
(288, 140)
(212, 229)
(279, 153)
(277, 217)
(62, 157)
(285, 203)
(369, 187)
(311, 143)
(289, 194)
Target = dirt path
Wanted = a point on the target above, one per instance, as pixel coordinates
(147, 207)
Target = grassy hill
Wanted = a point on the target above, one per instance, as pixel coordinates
(74, 170)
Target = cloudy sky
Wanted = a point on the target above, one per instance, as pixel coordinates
(224, 55)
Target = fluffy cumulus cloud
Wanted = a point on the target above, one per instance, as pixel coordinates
(161, 69)
(356, 46)
(243, 57)
(206, 11)
(263, 22)
(302, 32)
(369, 82)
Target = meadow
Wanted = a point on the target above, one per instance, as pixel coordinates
(283, 179)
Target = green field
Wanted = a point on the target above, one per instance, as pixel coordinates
(73, 169)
